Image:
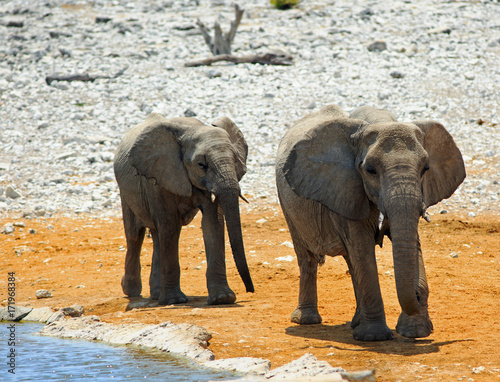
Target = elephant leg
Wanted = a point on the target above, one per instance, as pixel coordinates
(369, 321)
(418, 325)
(170, 271)
(212, 224)
(356, 319)
(134, 233)
(155, 276)
(307, 311)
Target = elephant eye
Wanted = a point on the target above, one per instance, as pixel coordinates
(371, 170)
(425, 169)
(202, 165)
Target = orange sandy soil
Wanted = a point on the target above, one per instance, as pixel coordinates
(80, 260)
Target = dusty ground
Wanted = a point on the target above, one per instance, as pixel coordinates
(81, 261)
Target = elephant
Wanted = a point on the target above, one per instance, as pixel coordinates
(346, 181)
(167, 170)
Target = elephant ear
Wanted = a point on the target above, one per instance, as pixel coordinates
(238, 141)
(446, 165)
(321, 167)
(157, 155)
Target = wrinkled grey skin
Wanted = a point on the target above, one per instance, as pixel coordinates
(336, 175)
(168, 170)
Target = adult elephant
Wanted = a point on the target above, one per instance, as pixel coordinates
(336, 177)
(167, 170)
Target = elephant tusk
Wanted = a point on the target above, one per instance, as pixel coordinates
(381, 218)
(426, 216)
(243, 198)
(212, 197)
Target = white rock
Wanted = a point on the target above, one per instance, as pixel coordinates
(306, 366)
(285, 258)
(43, 293)
(287, 243)
(39, 314)
(12, 193)
(256, 366)
(8, 229)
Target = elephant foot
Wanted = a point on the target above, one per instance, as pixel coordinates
(131, 286)
(220, 296)
(154, 292)
(372, 331)
(356, 320)
(154, 288)
(172, 296)
(416, 326)
(306, 316)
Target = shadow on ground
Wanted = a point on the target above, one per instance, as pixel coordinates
(343, 334)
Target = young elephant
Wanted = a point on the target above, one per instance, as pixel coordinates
(167, 170)
(335, 176)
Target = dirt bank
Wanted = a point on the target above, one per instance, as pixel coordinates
(80, 260)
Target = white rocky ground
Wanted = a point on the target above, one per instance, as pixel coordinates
(57, 142)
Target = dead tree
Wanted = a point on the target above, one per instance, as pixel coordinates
(221, 43)
(220, 46)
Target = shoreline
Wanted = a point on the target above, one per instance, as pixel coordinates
(181, 340)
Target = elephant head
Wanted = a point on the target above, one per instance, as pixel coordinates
(369, 160)
(183, 154)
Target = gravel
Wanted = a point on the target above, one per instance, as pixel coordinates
(427, 60)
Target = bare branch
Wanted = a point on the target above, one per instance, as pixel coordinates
(204, 32)
(81, 77)
(234, 24)
(264, 59)
(221, 42)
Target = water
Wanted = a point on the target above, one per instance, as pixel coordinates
(40, 358)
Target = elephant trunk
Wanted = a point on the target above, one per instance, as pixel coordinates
(229, 199)
(403, 213)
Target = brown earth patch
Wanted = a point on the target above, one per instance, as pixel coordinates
(80, 260)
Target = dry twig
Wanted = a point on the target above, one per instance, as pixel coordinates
(81, 77)
(264, 59)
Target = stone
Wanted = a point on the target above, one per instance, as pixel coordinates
(184, 339)
(213, 73)
(189, 113)
(73, 311)
(256, 366)
(8, 229)
(12, 193)
(494, 42)
(397, 74)
(446, 30)
(56, 316)
(39, 314)
(306, 366)
(14, 313)
(43, 293)
(469, 76)
(22, 250)
(377, 46)
(478, 370)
